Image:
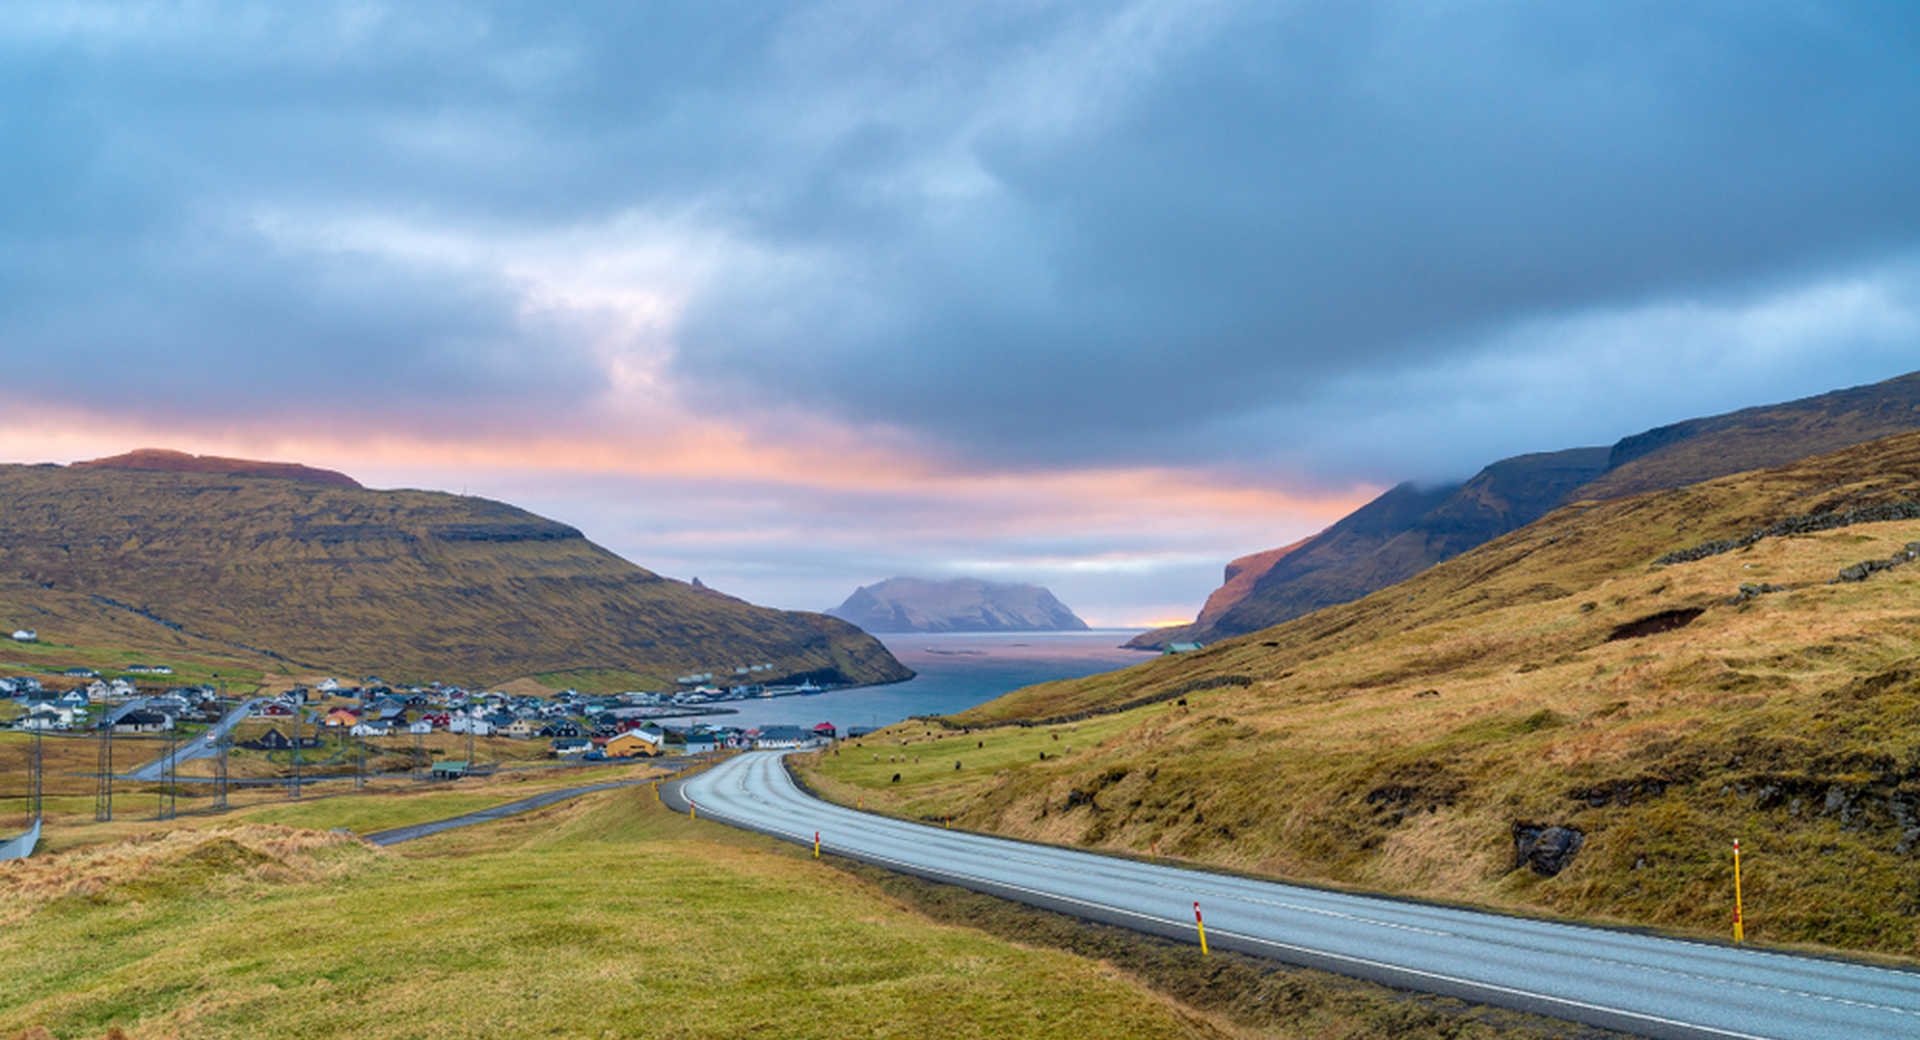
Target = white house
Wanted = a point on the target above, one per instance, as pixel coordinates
(467, 724)
(26, 635)
(420, 726)
(327, 685)
(371, 729)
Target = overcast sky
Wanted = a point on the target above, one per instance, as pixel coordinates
(795, 297)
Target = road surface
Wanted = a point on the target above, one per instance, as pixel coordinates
(1618, 980)
(501, 812)
(201, 746)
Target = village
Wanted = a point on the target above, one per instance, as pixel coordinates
(567, 725)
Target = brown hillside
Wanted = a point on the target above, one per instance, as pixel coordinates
(160, 460)
(409, 584)
(1407, 529)
(1557, 676)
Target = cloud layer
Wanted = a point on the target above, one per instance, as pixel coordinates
(798, 297)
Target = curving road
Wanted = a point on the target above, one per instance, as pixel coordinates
(200, 746)
(1618, 980)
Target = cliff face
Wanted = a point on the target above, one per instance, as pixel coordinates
(409, 584)
(1407, 529)
(959, 605)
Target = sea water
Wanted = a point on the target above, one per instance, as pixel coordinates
(956, 671)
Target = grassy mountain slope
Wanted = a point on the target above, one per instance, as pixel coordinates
(1403, 741)
(1335, 567)
(411, 584)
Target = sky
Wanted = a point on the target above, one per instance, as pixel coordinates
(796, 297)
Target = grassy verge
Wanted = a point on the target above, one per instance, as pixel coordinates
(605, 916)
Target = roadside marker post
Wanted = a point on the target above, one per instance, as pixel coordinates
(693, 809)
(1202, 925)
(1739, 925)
(816, 844)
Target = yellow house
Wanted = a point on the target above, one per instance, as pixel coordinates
(629, 744)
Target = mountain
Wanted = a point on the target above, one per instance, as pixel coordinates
(1577, 718)
(956, 605)
(160, 460)
(293, 569)
(1409, 528)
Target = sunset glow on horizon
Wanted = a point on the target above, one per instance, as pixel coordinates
(1096, 298)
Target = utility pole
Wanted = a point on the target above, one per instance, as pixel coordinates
(173, 772)
(419, 751)
(296, 750)
(360, 775)
(103, 787)
(34, 765)
(220, 774)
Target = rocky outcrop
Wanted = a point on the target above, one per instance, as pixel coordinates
(956, 605)
(1546, 849)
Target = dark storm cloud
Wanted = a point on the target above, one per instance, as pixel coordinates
(1314, 192)
(1282, 236)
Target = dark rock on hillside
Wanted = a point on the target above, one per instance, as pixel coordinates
(1409, 529)
(1546, 849)
(957, 605)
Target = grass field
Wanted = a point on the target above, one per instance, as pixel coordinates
(606, 916)
(1396, 743)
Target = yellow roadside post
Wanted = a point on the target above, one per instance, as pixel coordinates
(1202, 925)
(1739, 925)
(693, 809)
(816, 844)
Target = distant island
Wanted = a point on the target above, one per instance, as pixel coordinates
(956, 605)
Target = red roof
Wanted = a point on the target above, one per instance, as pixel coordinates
(824, 726)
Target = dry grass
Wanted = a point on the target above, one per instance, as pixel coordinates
(603, 916)
(1392, 744)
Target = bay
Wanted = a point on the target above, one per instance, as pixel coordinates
(956, 671)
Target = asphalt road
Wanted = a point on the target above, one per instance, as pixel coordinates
(1618, 980)
(199, 747)
(501, 812)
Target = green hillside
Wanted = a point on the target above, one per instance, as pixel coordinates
(292, 575)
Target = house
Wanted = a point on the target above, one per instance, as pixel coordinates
(327, 685)
(449, 770)
(271, 740)
(466, 724)
(571, 746)
(521, 729)
(372, 729)
(275, 709)
(26, 635)
(341, 717)
(420, 727)
(562, 728)
(81, 673)
(1183, 648)
(825, 731)
(45, 719)
(783, 737)
(143, 721)
(631, 745)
